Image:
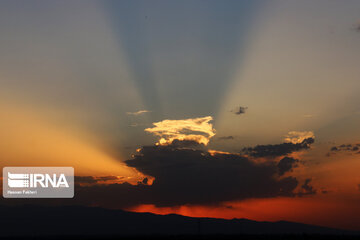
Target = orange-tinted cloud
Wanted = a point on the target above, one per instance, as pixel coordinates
(138, 112)
(107, 180)
(298, 136)
(192, 129)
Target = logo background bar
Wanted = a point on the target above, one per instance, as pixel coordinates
(16, 182)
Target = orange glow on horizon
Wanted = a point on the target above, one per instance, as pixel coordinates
(309, 210)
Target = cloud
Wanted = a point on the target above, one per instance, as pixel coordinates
(298, 136)
(138, 112)
(286, 164)
(138, 124)
(192, 176)
(349, 148)
(191, 144)
(192, 129)
(226, 138)
(85, 179)
(90, 180)
(277, 150)
(307, 189)
(180, 170)
(239, 110)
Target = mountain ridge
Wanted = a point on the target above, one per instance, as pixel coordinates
(36, 220)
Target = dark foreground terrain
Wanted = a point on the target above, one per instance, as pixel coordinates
(200, 237)
(73, 222)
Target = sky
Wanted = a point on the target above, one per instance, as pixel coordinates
(230, 109)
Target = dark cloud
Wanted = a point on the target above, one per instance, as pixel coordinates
(350, 148)
(286, 164)
(85, 179)
(226, 138)
(277, 149)
(334, 149)
(94, 180)
(186, 144)
(193, 176)
(307, 189)
(239, 110)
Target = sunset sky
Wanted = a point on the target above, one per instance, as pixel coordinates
(228, 109)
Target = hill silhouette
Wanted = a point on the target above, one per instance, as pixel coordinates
(23, 221)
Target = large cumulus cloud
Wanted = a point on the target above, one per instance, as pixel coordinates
(181, 170)
(191, 175)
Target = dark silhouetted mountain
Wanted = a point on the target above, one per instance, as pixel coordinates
(91, 221)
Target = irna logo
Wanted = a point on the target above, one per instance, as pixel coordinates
(18, 180)
(38, 182)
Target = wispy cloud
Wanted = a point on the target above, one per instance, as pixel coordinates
(138, 124)
(226, 138)
(138, 112)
